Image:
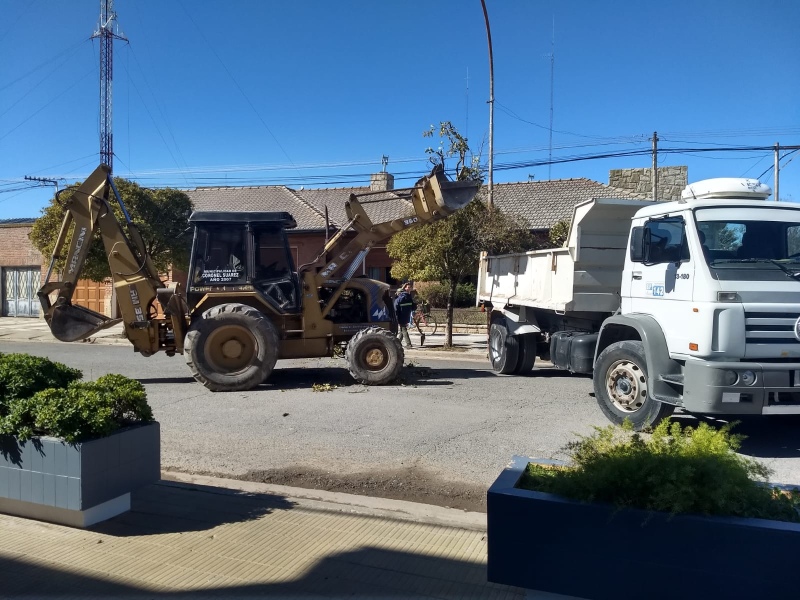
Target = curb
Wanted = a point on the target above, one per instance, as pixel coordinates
(336, 501)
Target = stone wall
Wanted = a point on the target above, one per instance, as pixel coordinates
(671, 181)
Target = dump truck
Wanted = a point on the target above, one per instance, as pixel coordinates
(245, 305)
(691, 304)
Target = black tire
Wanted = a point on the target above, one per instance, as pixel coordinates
(621, 386)
(503, 348)
(374, 356)
(527, 353)
(232, 347)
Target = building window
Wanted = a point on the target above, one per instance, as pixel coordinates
(376, 273)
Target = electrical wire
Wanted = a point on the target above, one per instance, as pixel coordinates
(236, 83)
(64, 91)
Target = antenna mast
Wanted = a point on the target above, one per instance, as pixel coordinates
(552, 70)
(105, 32)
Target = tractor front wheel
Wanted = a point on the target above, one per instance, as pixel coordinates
(374, 356)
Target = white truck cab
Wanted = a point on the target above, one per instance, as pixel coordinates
(708, 315)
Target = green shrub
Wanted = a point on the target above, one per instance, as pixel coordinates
(22, 375)
(81, 411)
(690, 470)
(436, 294)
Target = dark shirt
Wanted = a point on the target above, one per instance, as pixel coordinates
(404, 305)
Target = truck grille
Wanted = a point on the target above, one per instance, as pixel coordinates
(771, 328)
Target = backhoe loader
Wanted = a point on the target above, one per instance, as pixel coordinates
(246, 305)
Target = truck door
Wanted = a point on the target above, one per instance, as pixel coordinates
(661, 284)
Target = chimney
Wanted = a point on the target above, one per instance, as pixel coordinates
(381, 182)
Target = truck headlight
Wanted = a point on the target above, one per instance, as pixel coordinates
(730, 377)
(728, 297)
(747, 377)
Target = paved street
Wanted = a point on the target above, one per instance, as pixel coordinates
(441, 435)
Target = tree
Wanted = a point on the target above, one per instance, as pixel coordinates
(447, 251)
(453, 144)
(162, 217)
(559, 232)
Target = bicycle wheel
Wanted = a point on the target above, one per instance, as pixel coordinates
(426, 324)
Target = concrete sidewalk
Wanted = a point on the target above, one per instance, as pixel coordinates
(202, 537)
(466, 345)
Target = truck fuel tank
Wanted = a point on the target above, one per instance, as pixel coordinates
(573, 350)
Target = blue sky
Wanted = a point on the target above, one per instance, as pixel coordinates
(314, 93)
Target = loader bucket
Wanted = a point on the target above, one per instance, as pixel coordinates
(70, 323)
(456, 195)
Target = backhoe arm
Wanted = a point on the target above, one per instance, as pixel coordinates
(431, 199)
(136, 280)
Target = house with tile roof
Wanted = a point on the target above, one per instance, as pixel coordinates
(542, 204)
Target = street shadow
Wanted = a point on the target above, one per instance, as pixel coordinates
(422, 376)
(553, 373)
(364, 573)
(765, 437)
(174, 507)
(155, 380)
(295, 378)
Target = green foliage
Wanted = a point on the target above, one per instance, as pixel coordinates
(22, 375)
(41, 397)
(448, 250)
(162, 217)
(558, 233)
(436, 294)
(676, 470)
(453, 144)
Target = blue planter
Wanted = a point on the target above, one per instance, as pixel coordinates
(544, 542)
(77, 484)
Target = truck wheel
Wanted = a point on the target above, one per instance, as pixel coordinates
(374, 356)
(620, 386)
(503, 348)
(232, 347)
(527, 353)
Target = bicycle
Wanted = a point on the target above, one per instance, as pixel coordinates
(423, 320)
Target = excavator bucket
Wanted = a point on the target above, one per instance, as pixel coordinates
(71, 323)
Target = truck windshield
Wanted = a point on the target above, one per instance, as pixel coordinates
(750, 244)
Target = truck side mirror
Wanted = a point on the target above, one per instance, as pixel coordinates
(640, 244)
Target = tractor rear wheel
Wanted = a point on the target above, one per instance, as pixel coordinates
(374, 356)
(232, 347)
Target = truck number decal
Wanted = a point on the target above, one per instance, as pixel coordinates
(681, 276)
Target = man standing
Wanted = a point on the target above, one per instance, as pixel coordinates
(404, 307)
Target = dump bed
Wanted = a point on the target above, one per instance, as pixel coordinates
(582, 276)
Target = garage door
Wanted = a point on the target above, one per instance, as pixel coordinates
(20, 285)
(90, 294)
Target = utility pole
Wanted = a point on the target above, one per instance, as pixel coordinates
(655, 166)
(491, 107)
(43, 180)
(105, 32)
(777, 171)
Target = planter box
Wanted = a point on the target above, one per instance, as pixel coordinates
(77, 484)
(545, 542)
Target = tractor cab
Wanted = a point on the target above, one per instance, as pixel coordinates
(244, 252)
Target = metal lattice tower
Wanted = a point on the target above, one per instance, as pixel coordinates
(105, 32)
